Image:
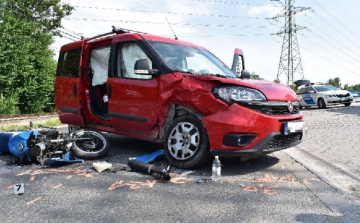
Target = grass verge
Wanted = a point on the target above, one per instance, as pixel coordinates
(51, 123)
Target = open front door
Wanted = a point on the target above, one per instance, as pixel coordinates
(68, 87)
(238, 64)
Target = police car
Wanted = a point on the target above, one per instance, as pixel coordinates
(322, 95)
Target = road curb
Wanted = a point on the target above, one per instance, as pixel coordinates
(339, 204)
(334, 176)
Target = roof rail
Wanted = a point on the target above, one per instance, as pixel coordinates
(114, 31)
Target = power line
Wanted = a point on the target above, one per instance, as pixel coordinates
(69, 36)
(228, 2)
(335, 19)
(162, 23)
(330, 51)
(344, 12)
(72, 32)
(242, 35)
(333, 39)
(174, 13)
(338, 31)
(328, 60)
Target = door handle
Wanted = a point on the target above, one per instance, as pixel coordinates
(75, 90)
(109, 91)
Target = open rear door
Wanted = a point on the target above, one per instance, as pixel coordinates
(68, 87)
(238, 64)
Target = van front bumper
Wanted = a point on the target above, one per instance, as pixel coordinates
(240, 131)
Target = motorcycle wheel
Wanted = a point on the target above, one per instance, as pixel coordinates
(97, 148)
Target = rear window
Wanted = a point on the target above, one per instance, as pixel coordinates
(69, 63)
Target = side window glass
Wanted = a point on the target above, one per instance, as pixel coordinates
(310, 90)
(128, 54)
(301, 91)
(99, 64)
(70, 62)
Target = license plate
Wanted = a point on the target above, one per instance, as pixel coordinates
(293, 127)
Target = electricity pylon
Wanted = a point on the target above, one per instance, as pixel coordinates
(290, 60)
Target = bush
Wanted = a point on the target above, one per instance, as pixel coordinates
(9, 105)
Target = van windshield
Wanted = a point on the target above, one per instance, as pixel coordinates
(192, 60)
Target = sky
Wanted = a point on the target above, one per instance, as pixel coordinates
(329, 45)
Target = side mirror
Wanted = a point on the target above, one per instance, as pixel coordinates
(245, 74)
(142, 67)
(238, 64)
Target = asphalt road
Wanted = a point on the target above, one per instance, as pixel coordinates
(273, 188)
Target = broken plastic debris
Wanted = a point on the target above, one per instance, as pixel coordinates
(200, 181)
(101, 166)
(117, 167)
(187, 173)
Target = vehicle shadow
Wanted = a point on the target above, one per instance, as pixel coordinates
(351, 110)
(124, 148)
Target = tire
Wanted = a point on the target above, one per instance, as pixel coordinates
(321, 103)
(300, 106)
(98, 148)
(186, 143)
(347, 104)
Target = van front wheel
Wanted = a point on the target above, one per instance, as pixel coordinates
(186, 143)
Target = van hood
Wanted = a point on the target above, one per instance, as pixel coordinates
(272, 91)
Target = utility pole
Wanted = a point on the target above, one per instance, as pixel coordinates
(290, 60)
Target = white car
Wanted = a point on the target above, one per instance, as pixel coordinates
(322, 95)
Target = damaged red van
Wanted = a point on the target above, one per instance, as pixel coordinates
(166, 90)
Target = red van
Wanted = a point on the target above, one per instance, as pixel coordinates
(166, 90)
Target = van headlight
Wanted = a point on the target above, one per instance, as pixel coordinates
(238, 94)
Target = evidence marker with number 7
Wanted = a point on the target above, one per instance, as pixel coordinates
(19, 189)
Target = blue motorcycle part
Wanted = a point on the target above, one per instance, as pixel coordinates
(17, 145)
(150, 157)
(65, 160)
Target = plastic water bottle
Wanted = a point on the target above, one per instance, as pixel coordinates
(216, 170)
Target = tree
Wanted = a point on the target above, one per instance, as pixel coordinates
(277, 80)
(334, 82)
(355, 87)
(255, 76)
(27, 69)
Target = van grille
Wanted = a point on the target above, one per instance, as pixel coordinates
(283, 140)
(275, 110)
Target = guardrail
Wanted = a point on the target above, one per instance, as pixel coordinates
(9, 120)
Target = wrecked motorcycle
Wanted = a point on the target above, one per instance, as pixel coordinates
(50, 146)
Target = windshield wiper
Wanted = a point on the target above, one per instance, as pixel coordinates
(216, 75)
(184, 71)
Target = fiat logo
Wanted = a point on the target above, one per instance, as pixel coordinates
(290, 107)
